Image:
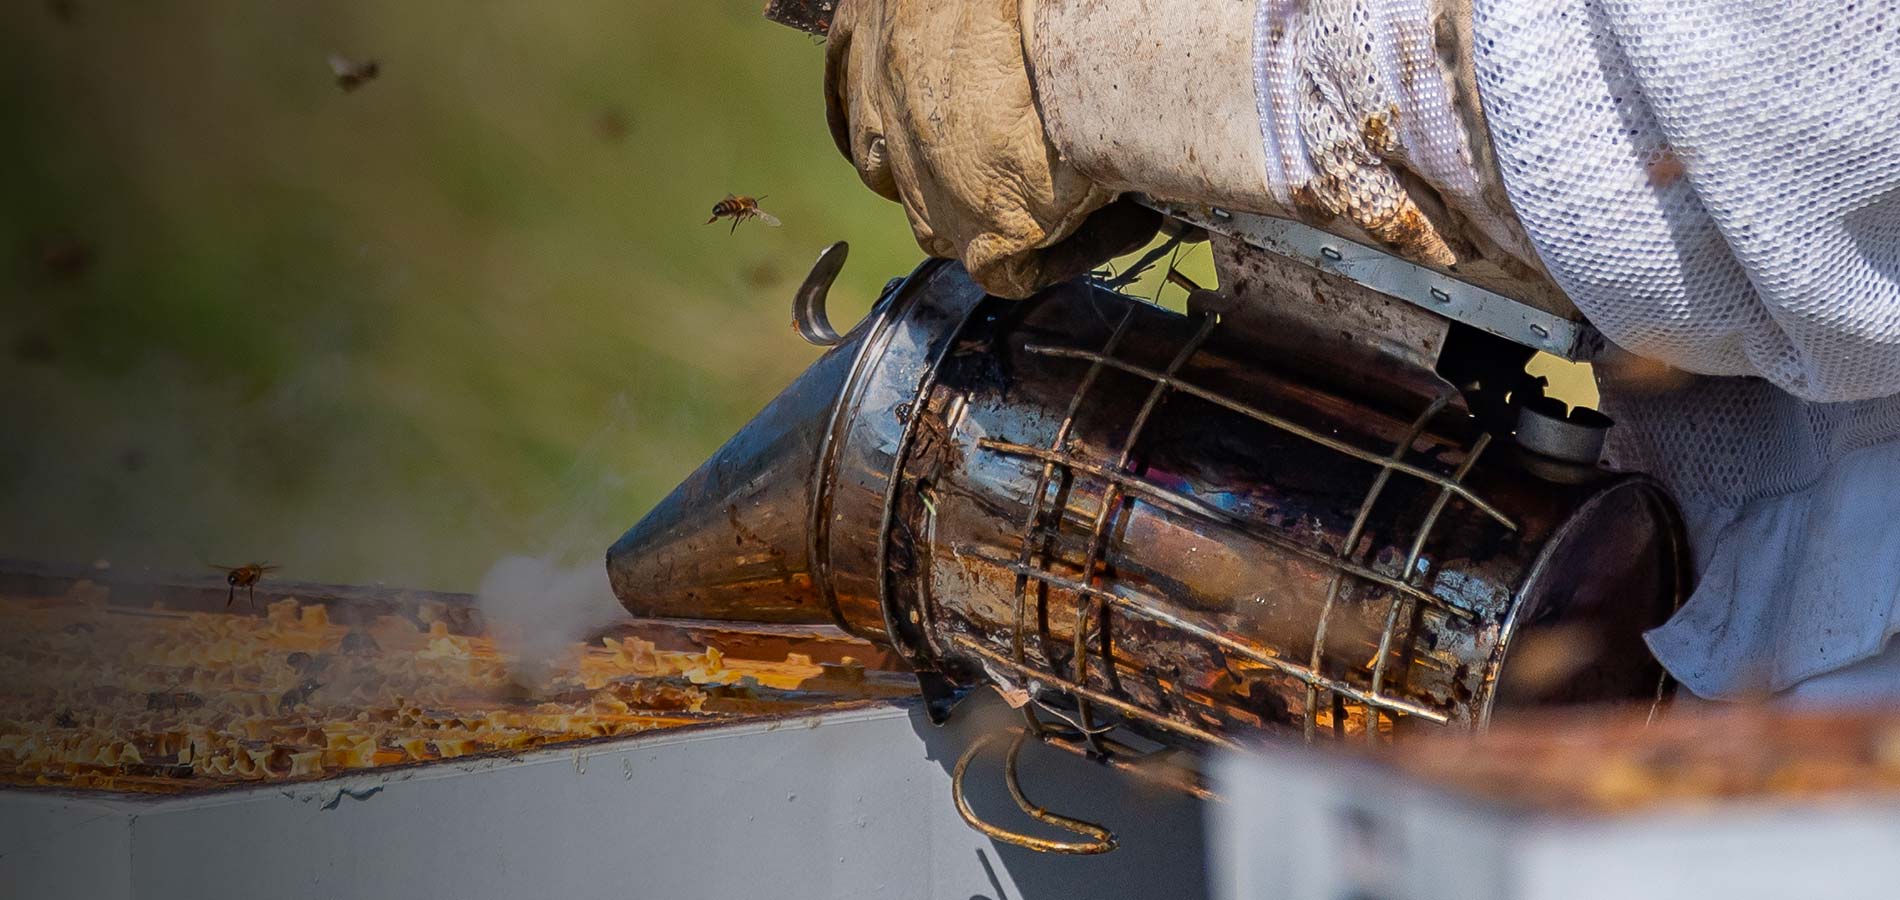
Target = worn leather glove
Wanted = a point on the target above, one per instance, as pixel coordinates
(934, 105)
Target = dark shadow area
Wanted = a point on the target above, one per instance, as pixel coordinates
(1163, 848)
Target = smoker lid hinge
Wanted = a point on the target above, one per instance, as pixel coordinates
(1426, 288)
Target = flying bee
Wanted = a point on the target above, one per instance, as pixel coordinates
(351, 75)
(246, 577)
(739, 209)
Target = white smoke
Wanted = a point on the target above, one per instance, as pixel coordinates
(537, 609)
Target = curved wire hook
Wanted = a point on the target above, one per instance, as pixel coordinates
(808, 306)
(1102, 840)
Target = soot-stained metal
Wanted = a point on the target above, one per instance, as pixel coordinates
(1298, 509)
(1304, 508)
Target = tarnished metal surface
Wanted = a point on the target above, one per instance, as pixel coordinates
(1207, 529)
(1099, 839)
(1513, 319)
(1086, 491)
(1547, 427)
(1383, 350)
(1131, 505)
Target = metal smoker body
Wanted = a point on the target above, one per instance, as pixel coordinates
(1299, 509)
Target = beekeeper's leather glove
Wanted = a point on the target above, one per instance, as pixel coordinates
(933, 103)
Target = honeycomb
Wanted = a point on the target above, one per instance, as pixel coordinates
(149, 699)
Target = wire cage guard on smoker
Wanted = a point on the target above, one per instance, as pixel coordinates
(1298, 509)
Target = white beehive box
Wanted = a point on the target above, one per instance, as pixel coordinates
(851, 803)
(1301, 825)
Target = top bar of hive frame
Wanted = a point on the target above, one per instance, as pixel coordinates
(152, 685)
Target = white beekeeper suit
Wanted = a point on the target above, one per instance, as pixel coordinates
(1715, 185)
(1775, 255)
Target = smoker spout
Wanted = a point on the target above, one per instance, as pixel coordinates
(782, 524)
(731, 541)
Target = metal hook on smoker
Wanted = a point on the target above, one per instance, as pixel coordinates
(1103, 839)
(808, 306)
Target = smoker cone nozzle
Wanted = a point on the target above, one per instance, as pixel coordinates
(730, 541)
(736, 540)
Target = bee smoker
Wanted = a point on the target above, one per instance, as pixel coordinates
(1305, 507)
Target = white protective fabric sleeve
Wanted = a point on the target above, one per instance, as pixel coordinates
(1873, 682)
(1717, 186)
(1793, 586)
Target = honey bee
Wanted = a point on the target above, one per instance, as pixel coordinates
(246, 577)
(351, 75)
(612, 126)
(739, 209)
(1665, 168)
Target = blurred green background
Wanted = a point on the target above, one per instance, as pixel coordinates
(469, 308)
(391, 334)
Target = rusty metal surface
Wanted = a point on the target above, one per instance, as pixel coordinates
(782, 524)
(1196, 530)
(1147, 508)
(1382, 349)
(1263, 554)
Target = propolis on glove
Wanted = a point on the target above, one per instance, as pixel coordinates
(933, 104)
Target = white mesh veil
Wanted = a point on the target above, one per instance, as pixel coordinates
(1714, 182)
